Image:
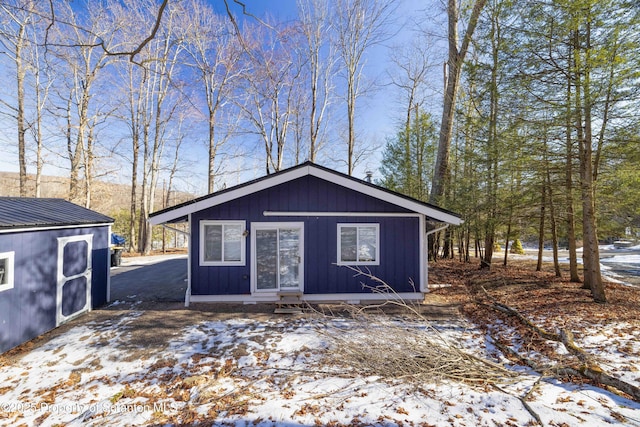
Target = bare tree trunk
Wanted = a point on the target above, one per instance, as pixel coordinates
(359, 25)
(570, 219)
(351, 132)
(507, 241)
(212, 153)
(492, 150)
(133, 207)
(315, 27)
(41, 101)
(135, 115)
(74, 153)
(591, 252)
(552, 218)
(88, 168)
(144, 194)
(543, 203)
(20, 76)
(454, 64)
(467, 252)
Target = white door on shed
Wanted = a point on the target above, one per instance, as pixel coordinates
(73, 291)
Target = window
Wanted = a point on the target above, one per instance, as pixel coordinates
(222, 242)
(6, 270)
(358, 244)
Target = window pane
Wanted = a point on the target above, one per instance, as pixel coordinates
(289, 258)
(367, 243)
(4, 271)
(213, 242)
(232, 242)
(266, 259)
(348, 243)
(75, 258)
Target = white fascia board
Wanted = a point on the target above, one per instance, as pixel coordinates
(345, 214)
(271, 181)
(388, 197)
(52, 227)
(227, 196)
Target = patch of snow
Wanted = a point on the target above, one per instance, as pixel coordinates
(274, 373)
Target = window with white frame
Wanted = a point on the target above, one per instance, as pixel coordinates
(222, 242)
(6, 270)
(358, 244)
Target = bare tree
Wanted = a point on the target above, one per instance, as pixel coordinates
(270, 83)
(453, 72)
(161, 104)
(215, 54)
(320, 58)
(153, 96)
(411, 64)
(82, 62)
(15, 19)
(56, 19)
(359, 25)
(132, 116)
(43, 78)
(568, 188)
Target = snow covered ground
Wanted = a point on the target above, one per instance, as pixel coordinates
(612, 261)
(279, 372)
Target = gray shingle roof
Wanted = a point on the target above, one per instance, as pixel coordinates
(23, 212)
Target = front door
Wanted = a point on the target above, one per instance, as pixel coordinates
(277, 262)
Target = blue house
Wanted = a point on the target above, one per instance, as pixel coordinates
(297, 231)
(54, 265)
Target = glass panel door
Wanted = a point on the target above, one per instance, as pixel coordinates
(278, 256)
(289, 258)
(266, 259)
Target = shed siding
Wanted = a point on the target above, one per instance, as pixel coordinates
(29, 309)
(399, 242)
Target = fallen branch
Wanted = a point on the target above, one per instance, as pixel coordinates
(524, 402)
(565, 337)
(589, 369)
(375, 344)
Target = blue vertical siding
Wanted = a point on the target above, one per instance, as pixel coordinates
(29, 309)
(399, 239)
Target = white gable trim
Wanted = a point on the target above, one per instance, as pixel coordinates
(263, 184)
(286, 176)
(385, 195)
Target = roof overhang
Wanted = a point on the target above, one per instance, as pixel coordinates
(182, 211)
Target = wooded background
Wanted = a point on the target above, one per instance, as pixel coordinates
(521, 116)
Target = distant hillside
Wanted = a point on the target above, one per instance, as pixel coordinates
(107, 198)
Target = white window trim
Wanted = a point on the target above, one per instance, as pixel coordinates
(339, 246)
(243, 225)
(10, 257)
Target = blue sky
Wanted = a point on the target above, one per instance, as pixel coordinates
(377, 115)
(380, 113)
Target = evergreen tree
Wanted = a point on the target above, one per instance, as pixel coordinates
(407, 168)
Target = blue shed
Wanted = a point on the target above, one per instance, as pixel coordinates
(54, 265)
(295, 232)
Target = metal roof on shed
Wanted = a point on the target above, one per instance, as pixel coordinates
(24, 212)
